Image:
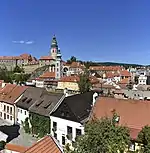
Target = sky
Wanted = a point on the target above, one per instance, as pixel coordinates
(93, 30)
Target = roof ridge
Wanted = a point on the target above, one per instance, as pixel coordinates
(36, 143)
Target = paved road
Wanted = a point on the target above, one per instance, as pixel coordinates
(23, 139)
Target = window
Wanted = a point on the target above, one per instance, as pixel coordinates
(69, 132)
(18, 110)
(8, 117)
(10, 110)
(78, 132)
(55, 126)
(63, 140)
(21, 111)
(0, 114)
(24, 112)
(4, 107)
(7, 109)
(11, 118)
(4, 116)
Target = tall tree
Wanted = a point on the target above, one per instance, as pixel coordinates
(18, 69)
(72, 59)
(84, 82)
(144, 138)
(103, 136)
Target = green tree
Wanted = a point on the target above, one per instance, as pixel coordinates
(5, 75)
(2, 145)
(18, 69)
(144, 139)
(84, 82)
(40, 125)
(20, 78)
(103, 136)
(72, 59)
(26, 125)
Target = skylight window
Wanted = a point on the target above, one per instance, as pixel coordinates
(39, 102)
(28, 101)
(47, 105)
(24, 99)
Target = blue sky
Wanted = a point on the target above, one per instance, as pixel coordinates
(98, 30)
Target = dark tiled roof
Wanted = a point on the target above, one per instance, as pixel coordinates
(29, 97)
(75, 108)
(45, 104)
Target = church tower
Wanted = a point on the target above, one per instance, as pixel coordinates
(56, 55)
(58, 65)
(54, 48)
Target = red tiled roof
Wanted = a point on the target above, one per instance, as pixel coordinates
(94, 80)
(45, 145)
(77, 65)
(46, 58)
(125, 73)
(23, 56)
(111, 74)
(15, 148)
(74, 78)
(133, 113)
(48, 75)
(11, 92)
(105, 68)
(124, 81)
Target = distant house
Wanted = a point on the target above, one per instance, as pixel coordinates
(12, 148)
(75, 68)
(69, 82)
(10, 62)
(142, 80)
(67, 120)
(9, 95)
(47, 79)
(48, 144)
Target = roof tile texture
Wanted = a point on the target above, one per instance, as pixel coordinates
(133, 114)
(45, 145)
(15, 148)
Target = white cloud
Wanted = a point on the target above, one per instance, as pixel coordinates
(18, 42)
(29, 42)
(23, 42)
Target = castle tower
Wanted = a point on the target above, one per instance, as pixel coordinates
(58, 65)
(54, 48)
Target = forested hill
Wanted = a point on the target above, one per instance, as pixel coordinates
(90, 63)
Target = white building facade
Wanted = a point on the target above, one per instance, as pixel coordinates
(65, 131)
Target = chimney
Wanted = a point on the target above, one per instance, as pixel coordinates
(3, 84)
(95, 95)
